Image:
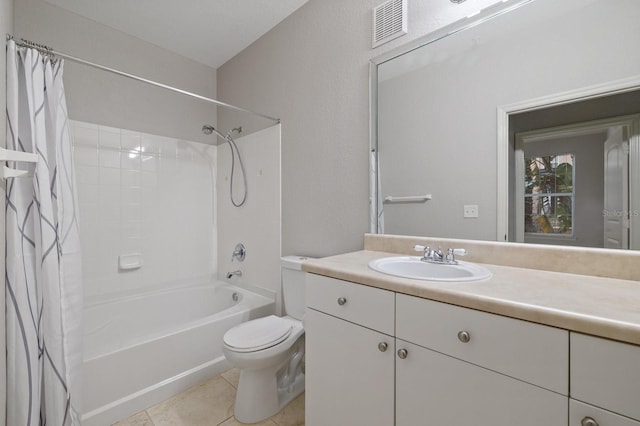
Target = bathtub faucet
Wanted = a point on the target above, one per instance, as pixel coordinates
(231, 274)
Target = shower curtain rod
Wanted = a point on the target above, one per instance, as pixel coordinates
(48, 51)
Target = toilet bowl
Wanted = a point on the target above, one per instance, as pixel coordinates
(269, 352)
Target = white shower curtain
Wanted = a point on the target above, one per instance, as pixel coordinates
(43, 278)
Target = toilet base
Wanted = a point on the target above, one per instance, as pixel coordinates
(259, 396)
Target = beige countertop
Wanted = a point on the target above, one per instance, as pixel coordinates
(600, 306)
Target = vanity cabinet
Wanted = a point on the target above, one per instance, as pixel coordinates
(605, 382)
(379, 358)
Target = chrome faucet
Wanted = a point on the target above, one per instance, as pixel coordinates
(239, 253)
(437, 256)
(231, 274)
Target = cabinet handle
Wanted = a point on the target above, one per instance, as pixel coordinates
(383, 346)
(464, 336)
(588, 421)
(402, 353)
(341, 301)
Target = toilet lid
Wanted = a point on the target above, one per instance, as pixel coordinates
(258, 334)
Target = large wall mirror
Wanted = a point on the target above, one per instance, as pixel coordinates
(518, 124)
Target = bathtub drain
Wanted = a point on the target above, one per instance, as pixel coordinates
(235, 296)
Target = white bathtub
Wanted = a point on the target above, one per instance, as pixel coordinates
(144, 348)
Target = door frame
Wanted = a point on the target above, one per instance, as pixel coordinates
(591, 92)
(630, 122)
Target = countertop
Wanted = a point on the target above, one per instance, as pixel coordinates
(604, 307)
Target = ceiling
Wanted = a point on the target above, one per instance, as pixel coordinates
(208, 31)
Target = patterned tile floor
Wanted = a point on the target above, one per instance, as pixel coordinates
(210, 404)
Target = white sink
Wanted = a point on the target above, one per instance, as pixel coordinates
(413, 267)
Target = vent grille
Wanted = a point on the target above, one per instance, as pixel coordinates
(389, 21)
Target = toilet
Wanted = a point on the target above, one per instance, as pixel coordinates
(269, 352)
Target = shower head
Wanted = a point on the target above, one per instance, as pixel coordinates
(208, 129)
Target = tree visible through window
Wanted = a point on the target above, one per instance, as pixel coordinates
(548, 197)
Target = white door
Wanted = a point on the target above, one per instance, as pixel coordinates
(616, 190)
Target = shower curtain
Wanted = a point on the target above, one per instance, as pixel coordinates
(43, 271)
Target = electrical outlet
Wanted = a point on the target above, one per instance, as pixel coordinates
(470, 210)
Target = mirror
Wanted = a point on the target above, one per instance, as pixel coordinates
(447, 111)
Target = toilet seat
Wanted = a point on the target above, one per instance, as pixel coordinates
(258, 334)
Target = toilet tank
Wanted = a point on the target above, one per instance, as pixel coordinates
(293, 283)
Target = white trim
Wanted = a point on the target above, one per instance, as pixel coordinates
(519, 188)
(502, 140)
(373, 149)
(634, 186)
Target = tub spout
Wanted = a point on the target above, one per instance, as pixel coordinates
(231, 274)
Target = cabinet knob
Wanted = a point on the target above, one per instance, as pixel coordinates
(402, 353)
(382, 346)
(588, 421)
(464, 336)
(341, 301)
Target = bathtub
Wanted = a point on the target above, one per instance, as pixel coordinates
(143, 348)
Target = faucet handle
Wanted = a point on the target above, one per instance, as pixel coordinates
(459, 252)
(239, 253)
(452, 253)
(426, 251)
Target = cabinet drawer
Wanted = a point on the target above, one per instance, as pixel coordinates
(530, 352)
(360, 304)
(606, 373)
(579, 412)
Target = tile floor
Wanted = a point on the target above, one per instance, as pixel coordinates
(210, 404)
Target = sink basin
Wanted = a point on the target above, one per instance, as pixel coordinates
(413, 267)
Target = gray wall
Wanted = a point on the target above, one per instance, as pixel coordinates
(98, 97)
(312, 72)
(6, 26)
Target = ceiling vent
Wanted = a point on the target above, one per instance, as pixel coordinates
(389, 21)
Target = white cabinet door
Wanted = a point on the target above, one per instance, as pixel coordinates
(349, 380)
(584, 414)
(606, 374)
(436, 389)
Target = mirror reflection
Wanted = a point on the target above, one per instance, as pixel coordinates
(519, 126)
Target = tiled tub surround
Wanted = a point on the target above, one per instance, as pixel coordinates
(591, 304)
(147, 194)
(150, 331)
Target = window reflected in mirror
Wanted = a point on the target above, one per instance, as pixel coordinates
(548, 197)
